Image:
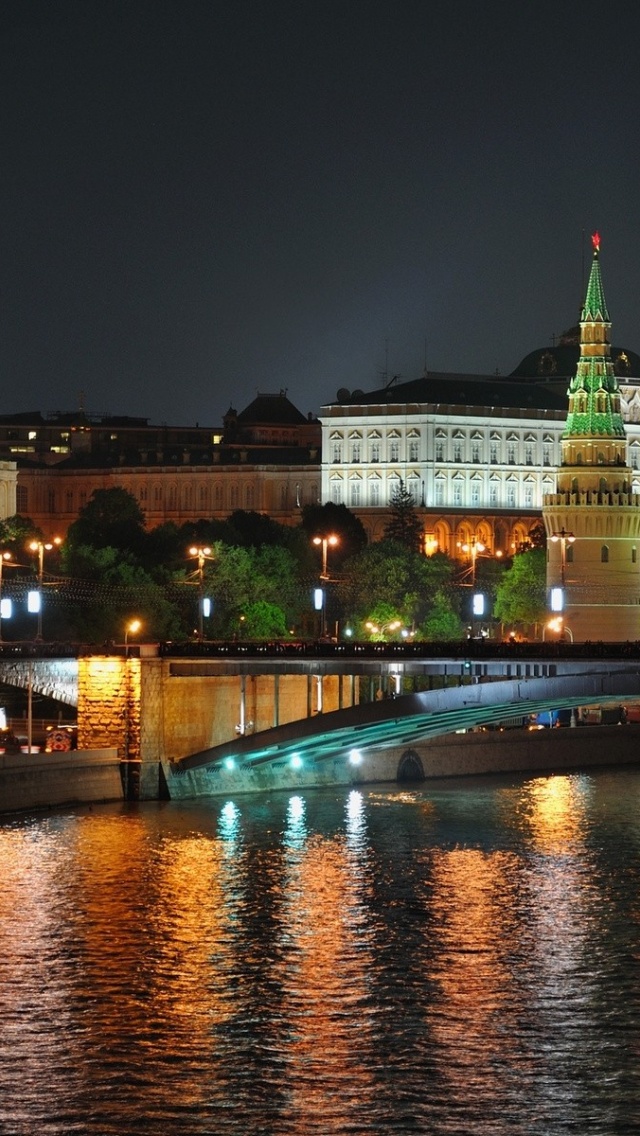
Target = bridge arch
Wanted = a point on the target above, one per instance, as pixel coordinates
(54, 678)
(410, 767)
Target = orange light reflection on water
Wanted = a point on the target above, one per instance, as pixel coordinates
(324, 974)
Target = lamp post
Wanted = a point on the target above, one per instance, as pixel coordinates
(325, 541)
(565, 538)
(131, 628)
(41, 546)
(559, 626)
(3, 556)
(473, 547)
(381, 629)
(202, 555)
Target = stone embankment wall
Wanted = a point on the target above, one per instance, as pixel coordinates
(46, 780)
(455, 755)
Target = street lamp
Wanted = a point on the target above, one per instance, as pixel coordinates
(325, 541)
(565, 538)
(558, 625)
(41, 546)
(3, 556)
(381, 629)
(474, 547)
(131, 628)
(202, 554)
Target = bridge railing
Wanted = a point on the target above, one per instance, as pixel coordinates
(473, 649)
(476, 649)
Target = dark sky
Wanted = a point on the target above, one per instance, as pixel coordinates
(202, 200)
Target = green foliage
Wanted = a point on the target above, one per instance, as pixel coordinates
(521, 595)
(537, 538)
(404, 525)
(238, 579)
(264, 620)
(384, 621)
(443, 621)
(389, 573)
(324, 520)
(16, 532)
(254, 530)
(111, 519)
(489, 575)
(110, 588)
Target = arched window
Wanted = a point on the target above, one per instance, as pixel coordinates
(634, 555)
(569, 554)
(604, 554)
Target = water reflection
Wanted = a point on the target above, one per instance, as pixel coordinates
(455, 959)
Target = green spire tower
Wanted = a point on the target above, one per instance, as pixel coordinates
(593, 518)
(594, 434)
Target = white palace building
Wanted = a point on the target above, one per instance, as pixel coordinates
(478, 453)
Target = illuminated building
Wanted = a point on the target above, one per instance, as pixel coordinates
(592, 517)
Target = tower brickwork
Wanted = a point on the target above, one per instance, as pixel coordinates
(592, 520)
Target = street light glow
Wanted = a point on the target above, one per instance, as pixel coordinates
(202, 553)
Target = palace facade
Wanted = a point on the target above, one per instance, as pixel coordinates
(265, 458)
(477, 453)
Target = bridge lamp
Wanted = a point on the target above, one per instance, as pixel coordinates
(296, 761)
(131, 628)
(557, 599)
(479, 604)
(355, 757)
(318, 604)
(5, 605)
(229, 763)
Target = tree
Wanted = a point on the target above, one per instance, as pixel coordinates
(237, 579)
(17, 531)
(404, 525)
(108, 588)
(443, 621)
(325, 520)
(521, 595)
(389, 573)
(112, 518)
(264, 620)
(254, 530)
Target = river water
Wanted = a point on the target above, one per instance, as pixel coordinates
(457, 959)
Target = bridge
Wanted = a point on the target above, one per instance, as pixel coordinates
(190, 718)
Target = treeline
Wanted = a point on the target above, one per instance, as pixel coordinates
(259, 575)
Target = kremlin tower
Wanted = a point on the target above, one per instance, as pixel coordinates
(592, 521)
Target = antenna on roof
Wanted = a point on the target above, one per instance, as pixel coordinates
(385, 374)
(425, 357)
(582, 271)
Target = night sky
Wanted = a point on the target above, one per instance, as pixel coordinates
(200, 201)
